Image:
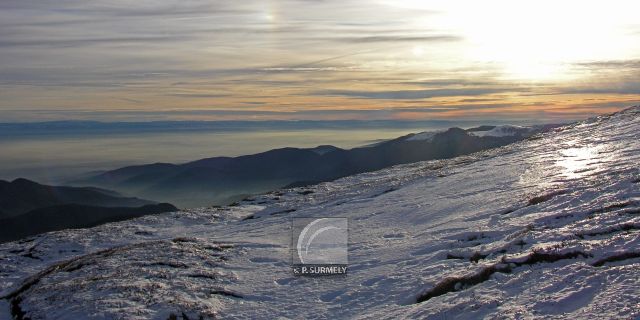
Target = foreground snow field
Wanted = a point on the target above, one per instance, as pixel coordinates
(545, 228)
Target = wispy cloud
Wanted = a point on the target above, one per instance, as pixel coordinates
(622, 90)
(415, 94)
(611, 64)
(395, 39)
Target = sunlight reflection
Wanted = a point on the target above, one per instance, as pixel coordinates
(578, 162)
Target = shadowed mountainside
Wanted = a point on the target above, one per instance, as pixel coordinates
(72, 216)
(21, 196)
(29, 208)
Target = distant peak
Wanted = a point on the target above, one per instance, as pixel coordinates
(455, 129)
(325, 148)
(502, 131)
(23, 181)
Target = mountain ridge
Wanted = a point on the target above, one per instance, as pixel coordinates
(29, 208)
(220, 180)
(72, 215)
(22, 195)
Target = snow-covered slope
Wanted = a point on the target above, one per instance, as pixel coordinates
(545, 228)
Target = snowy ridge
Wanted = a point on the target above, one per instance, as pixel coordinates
(503, 131)
(426, 135)
(543, 228)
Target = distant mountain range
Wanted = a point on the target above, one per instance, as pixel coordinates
(222, 180)
(28, 208)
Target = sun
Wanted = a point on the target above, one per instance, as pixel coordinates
(417, 51)
(534, 39)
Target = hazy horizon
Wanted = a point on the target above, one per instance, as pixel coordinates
(55, 158)
(55, 153)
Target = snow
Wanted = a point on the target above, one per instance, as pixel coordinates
(543, 228)
(502, 131)
(426, 135)
(4, 310)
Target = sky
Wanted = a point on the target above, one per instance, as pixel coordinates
(116, 60)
